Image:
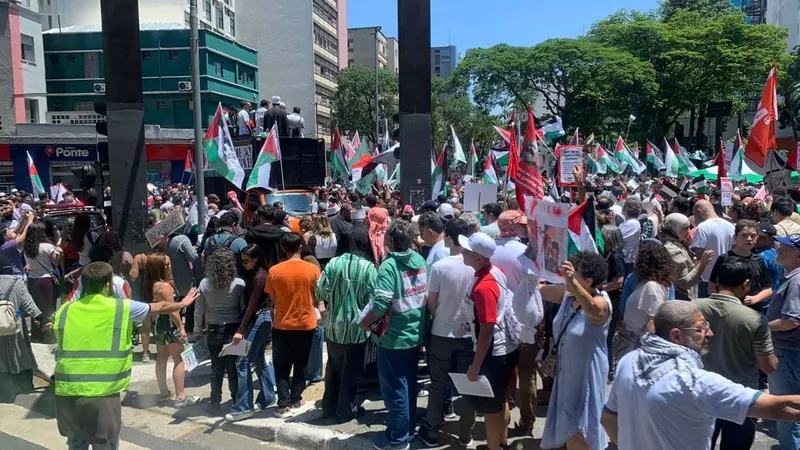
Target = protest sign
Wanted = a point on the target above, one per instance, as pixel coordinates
(727, 191)
(569, 156)
(547, 235)
(478, 194)
(728, 155)
(194, 355)
(172, 222)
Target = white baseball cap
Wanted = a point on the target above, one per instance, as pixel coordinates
(480, 243)
(446, 211)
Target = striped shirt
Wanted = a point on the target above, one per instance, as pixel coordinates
(346, 285)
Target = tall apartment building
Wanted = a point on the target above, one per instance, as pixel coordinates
(444, 60)
(75, 66)
(786, 13)
(362, 50)
(217, 15)
(22, 93)
(299, 53)
(393, 54)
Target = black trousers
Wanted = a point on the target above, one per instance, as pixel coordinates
(90, 421)
(345, 365)
(218, 336)
(446, 355)
(734, 436)
(290, 352)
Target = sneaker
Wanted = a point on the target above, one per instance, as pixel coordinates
(189, 400)
(214, 410)
(423, 393)
(164, 397)
(451, 416)
(259, 407)
(428, 437)
(465, 440)
(282, 413)
(235, 417)
(145, 357)
(522, 430)
(299, 404)
(383, 445)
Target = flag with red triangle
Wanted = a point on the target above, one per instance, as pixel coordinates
(187, 165)
(36, 183)
(762, 134)
(270, 153)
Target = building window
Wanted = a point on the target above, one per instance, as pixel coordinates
(232, 21)
(32, 110)
(207, 9)
(220, 19)
(27, 49)
(49, 22)
(350, 62)
(147, 55)
(91, 65)
(218, 69)
(437, 59)
(173, 54)
(83, 106)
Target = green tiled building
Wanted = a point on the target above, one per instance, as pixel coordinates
(74, 71)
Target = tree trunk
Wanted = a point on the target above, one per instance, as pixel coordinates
(701, 124)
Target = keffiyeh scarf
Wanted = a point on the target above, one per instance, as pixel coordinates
(657, 357)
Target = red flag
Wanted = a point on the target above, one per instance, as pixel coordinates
(762, 135)
(513, 148)
(187, 165)
(529, 179)
(720, 162)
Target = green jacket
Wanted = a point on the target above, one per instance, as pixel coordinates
(346, 285)
(402, 291)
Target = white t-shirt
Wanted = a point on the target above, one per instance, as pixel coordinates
(453, 280)
(508, 256)
(260, 112)
(326, 247)
(669, 415)
(643, 302)
(243, 120)
(631, 235)
(83, 255)
(713, 234)
(41, 265)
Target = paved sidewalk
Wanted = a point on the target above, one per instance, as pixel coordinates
(305, 429)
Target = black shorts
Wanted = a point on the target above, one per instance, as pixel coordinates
(94, 419)
(498, 370)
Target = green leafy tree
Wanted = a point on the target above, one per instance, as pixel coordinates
(697, 59)
(582, 81)
(707, 8)
(354, 101)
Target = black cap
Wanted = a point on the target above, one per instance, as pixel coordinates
(429, 206)
(767, 229)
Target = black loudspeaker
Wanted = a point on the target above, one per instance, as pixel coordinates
(414, 31)
(302, 160)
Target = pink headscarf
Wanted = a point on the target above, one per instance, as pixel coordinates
(234, 199)
(378, 219)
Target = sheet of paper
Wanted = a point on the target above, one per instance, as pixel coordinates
(240, 349)
(194, 355)
(480, 388)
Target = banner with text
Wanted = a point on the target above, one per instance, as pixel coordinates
(569, 156)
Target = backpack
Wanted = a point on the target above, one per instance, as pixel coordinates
(512, 325)
(214, 244)
(9, 325)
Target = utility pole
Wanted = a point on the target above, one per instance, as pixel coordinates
(125, 120)
(199, 177)
(377, 89)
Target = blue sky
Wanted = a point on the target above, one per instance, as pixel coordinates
(481, 23)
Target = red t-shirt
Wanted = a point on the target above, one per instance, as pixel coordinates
(485, 294)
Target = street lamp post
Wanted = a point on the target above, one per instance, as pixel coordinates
(377, 88)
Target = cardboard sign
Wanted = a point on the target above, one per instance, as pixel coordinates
(569, 157)
(169, 225)
(727, 191)
(478, 194)
(548, 236)
(194, 355)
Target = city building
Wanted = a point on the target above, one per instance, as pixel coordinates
(785, 13)
(444, 61)
(299, 53)
(363, 50)
(393, 54)
(74, 67)
(22, 93)
(216, 15)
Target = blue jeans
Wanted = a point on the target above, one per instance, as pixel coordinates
(83, 444)
(259, 336)
(314, 368)
(786, 381)
(397, 374)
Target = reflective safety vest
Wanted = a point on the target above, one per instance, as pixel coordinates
(94, 355)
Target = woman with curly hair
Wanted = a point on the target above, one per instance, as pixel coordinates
(578, 355)
(168, 332)
(655, 271)
(43, 258)
(221, 303)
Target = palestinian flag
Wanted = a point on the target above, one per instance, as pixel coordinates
(700, 184)
(627, 158)
(501, 157)
(353, 146)
(437, 174)
(654, 157)
(591, 164)
(671, 161)
(505, 134)
(606, 162)
(36, 183)
(554, 129)
(584, 236)
(472, 166)
(722, 171)
(458, 151)
(489, 174)
(576, 138)
(187, 165)
(218, 148)
(737, 163)
(369, 164)
(270, 153)
(339, 165)
(687, 165)
(360, 151)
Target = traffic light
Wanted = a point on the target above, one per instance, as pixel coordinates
(724, 125)
(101, 127)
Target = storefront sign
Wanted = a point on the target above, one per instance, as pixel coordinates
(71, 153)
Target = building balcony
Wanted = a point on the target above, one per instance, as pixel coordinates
(382, 58)
(325, 82)
(332, 4)
(323, 110)
(327, 54)
(323, 23)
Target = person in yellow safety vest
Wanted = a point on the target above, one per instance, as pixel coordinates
(94, 358)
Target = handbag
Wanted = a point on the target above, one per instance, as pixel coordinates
(548, 365)
(53, 274)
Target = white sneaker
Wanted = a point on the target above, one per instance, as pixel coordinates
(235, 417)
